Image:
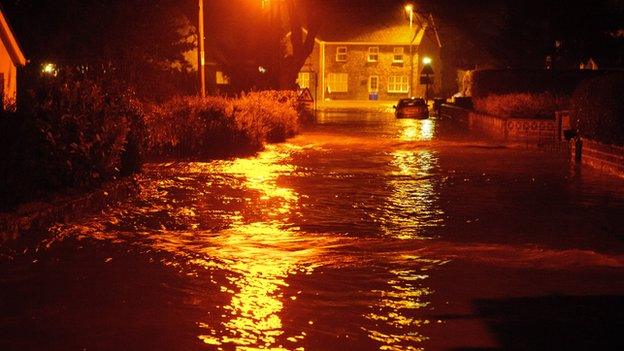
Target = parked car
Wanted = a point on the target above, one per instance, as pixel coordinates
(412, 108)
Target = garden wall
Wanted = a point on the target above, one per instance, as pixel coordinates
(604, 157)
(455, 113)
(38, 215)
(518, 130)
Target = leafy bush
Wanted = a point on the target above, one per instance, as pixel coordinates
(598, 109)
(482, 83)
(69, 132)
(274, 113)
(221, 127)
(541, 105)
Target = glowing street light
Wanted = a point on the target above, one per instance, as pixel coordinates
(409, 8)
(49, 69)
(426, 74)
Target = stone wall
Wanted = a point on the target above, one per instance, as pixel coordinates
(532, 130)
(454, 113)
(39, 215)
(606, 158)
(519, 130)
(495, 127)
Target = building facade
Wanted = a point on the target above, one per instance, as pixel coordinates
(11, 57)
(383, 64)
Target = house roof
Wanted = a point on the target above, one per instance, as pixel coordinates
(6, 34)
(391, 31)
(391, 34)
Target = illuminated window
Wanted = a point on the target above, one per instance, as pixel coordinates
(303, 79)
(373, 84)
(341, 54)
(338, 82)
(221, 78)
(398, 84)
(398, 55)
(373, 54)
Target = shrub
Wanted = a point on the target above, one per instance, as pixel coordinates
(189, 126)
(541, 105)
(221, 127)
(70, 132)
(598, 109)
(275, 111)
(511, 81)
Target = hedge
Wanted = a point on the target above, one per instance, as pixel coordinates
(68, 132)
(211, 127)
(525, 105)
(598, 109)
(482, 83)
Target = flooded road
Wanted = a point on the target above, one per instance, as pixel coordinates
(363, 233)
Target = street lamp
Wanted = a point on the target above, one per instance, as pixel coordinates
(202, 50)
(409, 8)
(426, 74)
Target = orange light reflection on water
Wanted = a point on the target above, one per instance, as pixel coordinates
(394, 314)
(412, 203)
(261, 256)
(416, 129)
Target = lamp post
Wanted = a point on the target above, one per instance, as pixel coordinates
(202, 51)
(409, 8)
(426, 74)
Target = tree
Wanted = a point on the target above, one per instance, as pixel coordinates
(141, 42)
(262, 48)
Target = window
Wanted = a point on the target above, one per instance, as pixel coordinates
(337, 82)
(373, 84)
(221, 78)
(398, 84)
(373, 54)
(398, 55)
(303, 79)
(341, 54)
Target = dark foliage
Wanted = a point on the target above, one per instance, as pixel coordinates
(69, 132)
(524, 105)
(598, 109)
(216, 127)
(508, 81)
(141, 42)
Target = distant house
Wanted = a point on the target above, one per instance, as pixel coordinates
(377, 64)
(11, 57)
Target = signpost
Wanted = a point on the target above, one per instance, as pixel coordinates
(426, 76)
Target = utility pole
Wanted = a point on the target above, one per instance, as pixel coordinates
(202, 51)
(410, 9)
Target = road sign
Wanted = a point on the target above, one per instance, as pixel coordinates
(426, 79)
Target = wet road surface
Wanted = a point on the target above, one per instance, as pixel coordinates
(362, 233)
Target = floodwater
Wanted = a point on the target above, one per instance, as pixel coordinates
(363, 233)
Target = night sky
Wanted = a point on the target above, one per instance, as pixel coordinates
(492, 33)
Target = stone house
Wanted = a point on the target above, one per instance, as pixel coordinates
(11, 57)
(383, 63)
